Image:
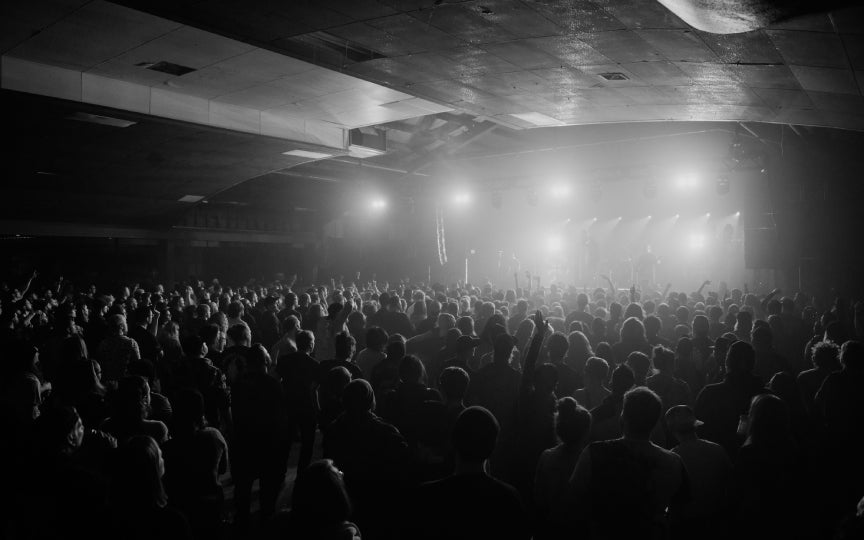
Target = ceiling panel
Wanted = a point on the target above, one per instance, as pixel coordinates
(837, 81)
(810, 48)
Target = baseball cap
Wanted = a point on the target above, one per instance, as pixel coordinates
(681, 418)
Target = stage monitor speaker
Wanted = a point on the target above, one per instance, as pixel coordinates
(760, 248)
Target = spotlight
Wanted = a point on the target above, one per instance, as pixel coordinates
(620, 218)
(697, 241)
(737, 214)
(560, 191)
(378, 204)
(687, 181)
(649, 217)
(677, 216)
(595, 219)
(707, 214)
(462, 198)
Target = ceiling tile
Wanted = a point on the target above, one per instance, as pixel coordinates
(809, 48)
(468, 24)
(706, 73)
(186, 46)
(837, 102)
(837, 81)
(679, 45)
(522, 54)
(471, 59)
(373, 38)
(568, 76)
(639, 14)
(816, 22)
(849, 20)
(570, 50)
(745, 48)
(658, 73)
(784, 99)
(577, 16)
(622, 46)
(769, 76)
(358, 9)
(855, 50)
(415, 31)
(596, 71)
(516, 18)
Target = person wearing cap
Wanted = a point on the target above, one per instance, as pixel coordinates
(464, 350)
(708, 467)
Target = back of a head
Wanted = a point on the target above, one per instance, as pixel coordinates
(193, 346)
(130, 401)
(305, 341)
(740, 358)
(664, 359)
(682, 314)
(343, 345)
(653, 325)
(622, 379)
(337, 379)
(684, 347)
(395, 349)
(358, 397)
(453, 383)
(642, 409)
(258, 358)
(634, 310)
(141, 314)
(597, 369)
(557, 345)
(235, 309)
(572, 422)
(474, 434)
(632, 330)
(852, 356)
(769, 420)
(826, 355)
(320, 497)
(715, 312)
(700, 325)
(639, 363)
(187, 405)
(762, 337)
(411, 369)
(604, 351)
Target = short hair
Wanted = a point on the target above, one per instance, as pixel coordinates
(258, 357)
(305, 340)
(597, 368)
(557, 344)
(762, 335)
(344, 344)
(653, 325)
(642, 408)
(235, 309)
(622, 379)
(395, 349)
(192, 345)
(453, 382)
(187, 406)
(700, 324)
(411, 369)
(572, 422)
(376, 338)
(639, 362)
(826, 354)
(358, 396)
(740, 358)
(474, 434)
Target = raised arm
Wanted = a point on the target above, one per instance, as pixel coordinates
(540, 328)
(701, 287)
(611, 286)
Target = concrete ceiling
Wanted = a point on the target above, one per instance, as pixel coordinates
(473, 85)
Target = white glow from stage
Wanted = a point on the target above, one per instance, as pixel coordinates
(462, 198)
(554, 244)
(687, 181)
(697, 241)
(560, 190)
(737, 214)
(378, 204)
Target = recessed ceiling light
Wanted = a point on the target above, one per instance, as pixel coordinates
(190, 198)
(166, 67)
(615, 76)
(307, 154)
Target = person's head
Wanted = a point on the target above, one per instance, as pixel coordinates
(235, 309)
(664, 360)
(117, 325)
(358, 397)
(641, 411)
(453, 383)
(258, 359)
(132, 399)
(344, 345)
(604, 351)
(762, 338)
(743, 321)
(395, 349)
(137, 484)
(852, 356)
(640, 364)
(768, 421)
(681, 421)
(376, 339)
(700, 326)
(622, 379)
(578, 350)
(474, 435)
(653, 325)
(187, 406)
(503, 346)
(740, 358)
(465, 325)
(239, 335)
(596, 370)
(411, 370)
(60, 429)
(684, 348)
(195, 347)
(557, 346)
(634, 310)
(305, 341)
(826, 355)
(545, 379)
(573, 422)
(632, 330)
(715, 313)
(320, 498)
(291, 325)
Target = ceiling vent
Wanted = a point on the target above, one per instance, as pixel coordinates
(166, 67)
(336, 49)
(367, 142)
(615, 76)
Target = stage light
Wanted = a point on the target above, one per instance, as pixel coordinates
(649, 217)
(677, 216)
(737, 214)
(560, 190)
(378, 204)
(697, 241)
(462, 198)
(554, 243)
(687, 181)
(595, 219)
(620, 218)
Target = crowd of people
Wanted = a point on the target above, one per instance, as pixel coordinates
(429, 411)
